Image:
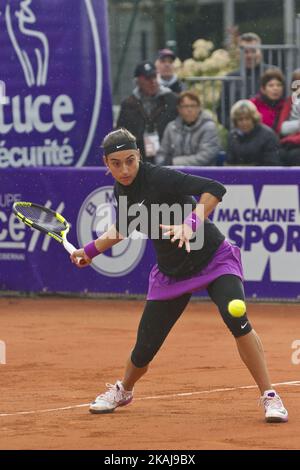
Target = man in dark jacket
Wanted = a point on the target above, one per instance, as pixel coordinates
(233, 89)
(148, 110)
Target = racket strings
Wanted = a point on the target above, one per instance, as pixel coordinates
(42, 218)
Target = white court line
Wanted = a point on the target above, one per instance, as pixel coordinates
(155, 397)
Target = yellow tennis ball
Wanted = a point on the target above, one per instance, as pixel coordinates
(237, 308)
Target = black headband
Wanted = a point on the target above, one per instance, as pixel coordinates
(119, 147)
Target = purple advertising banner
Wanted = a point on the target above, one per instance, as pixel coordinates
(259, 213)
(55, 99)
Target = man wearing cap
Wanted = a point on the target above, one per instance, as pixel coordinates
(148, 110)
(165, 68)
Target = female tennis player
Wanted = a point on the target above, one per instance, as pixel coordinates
(183, 265)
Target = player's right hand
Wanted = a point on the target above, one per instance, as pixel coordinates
(80, 259)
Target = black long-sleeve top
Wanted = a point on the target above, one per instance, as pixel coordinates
(160, 185)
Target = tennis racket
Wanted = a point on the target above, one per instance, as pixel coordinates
(45, 220)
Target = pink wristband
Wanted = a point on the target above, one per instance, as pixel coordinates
(193, 221)
(91, 250)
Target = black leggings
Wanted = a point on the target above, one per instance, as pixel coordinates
(159, 317)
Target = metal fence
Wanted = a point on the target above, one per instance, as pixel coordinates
(283, 56)
(219, 93)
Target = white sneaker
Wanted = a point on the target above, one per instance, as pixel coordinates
(275, 412)
(115, 396)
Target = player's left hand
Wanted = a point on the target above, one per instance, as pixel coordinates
(183, 233)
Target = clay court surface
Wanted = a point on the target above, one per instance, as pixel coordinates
(61, 352)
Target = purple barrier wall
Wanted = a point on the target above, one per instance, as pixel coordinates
(55, 100)
(260, 213)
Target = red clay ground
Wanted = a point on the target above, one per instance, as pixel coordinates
(61, 352)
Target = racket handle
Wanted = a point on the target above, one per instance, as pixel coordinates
(69, 247)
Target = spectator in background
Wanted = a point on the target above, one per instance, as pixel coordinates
(289, 125)
(250, 142)
(269, 101)
(165, 69)
(148, 110)
(253, 71)
(192, 139)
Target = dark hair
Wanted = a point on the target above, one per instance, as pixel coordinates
(271, 74)
(188, 94)
(117, 137)
(250, 37)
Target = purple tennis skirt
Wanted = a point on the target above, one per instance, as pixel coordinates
(226, 260)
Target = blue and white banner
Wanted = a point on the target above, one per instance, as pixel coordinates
(259, 213)
(55, 100)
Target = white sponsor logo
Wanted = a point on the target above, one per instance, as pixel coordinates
(120, 146)
(296, 353)
(3, 97)
(2, 352)
(296, 93)
(34, 74)
(23, 115)
(96, 214)
(268, 232)
(14, 241)
(244, 326)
